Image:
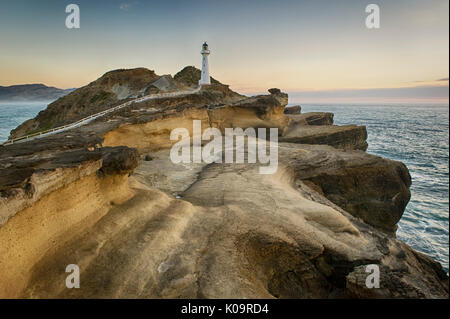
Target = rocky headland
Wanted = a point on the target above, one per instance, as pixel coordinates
(107, 197)
(31, 92)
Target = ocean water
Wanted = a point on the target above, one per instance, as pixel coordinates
(14, 114)
(415, 135)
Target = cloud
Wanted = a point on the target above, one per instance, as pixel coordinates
(430, 93)
(428, 81)
(126, 6)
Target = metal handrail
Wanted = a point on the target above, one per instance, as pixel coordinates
(89, 118)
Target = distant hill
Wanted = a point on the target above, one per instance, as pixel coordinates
(31, 92)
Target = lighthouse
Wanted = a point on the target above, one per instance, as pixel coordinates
(205, 67)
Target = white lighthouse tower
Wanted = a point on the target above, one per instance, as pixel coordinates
(205, 67)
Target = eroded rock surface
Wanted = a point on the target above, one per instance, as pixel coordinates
(367, 186)
(107, 197)
(310, 118)
(296, 109)
(347, 137)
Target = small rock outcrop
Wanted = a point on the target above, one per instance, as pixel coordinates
(296, 109)
(274, 91)
(312, 118)
(348, 137)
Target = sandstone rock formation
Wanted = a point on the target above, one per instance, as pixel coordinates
(367, 186)
(318, 128)
(107, 197)
(296, 109)
(350, 137)
(311, 118)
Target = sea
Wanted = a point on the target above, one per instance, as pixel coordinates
(417, 135)
(15, 113)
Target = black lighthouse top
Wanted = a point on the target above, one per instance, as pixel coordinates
(205, 46)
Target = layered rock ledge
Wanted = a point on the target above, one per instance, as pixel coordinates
(349, 137)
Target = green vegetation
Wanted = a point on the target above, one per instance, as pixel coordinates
(99, 97)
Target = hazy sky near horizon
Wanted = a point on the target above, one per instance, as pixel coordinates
(299, 46)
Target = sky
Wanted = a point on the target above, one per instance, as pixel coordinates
(313, 49)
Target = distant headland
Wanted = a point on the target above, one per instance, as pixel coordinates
(31, 92)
